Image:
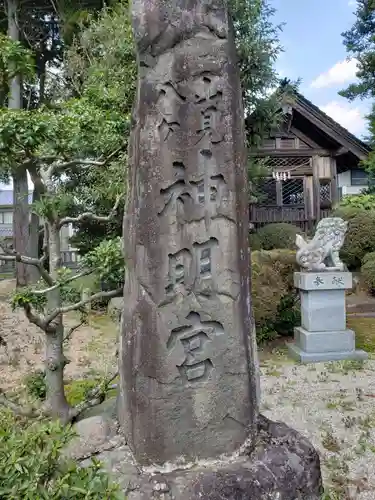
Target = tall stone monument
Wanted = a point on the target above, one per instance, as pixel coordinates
(187, 380)
(188, 370)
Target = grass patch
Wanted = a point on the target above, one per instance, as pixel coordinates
(78, 390)
(364, 329)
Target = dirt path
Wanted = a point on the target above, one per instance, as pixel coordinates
(90, 350)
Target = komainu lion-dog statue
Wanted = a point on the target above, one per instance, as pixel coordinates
(322, 252)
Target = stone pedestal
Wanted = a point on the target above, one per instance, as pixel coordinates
(323, 335)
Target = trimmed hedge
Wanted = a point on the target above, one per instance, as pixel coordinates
(360, 238)
(368, 272)
(274, 298)
(278, 236)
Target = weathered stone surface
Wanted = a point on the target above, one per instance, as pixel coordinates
(283, 466)
(187, 367)
(107, 409)
(94, 434)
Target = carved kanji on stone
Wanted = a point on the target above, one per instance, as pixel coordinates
(187, 319)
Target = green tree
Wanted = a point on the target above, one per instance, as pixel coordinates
(50, 143)
(101, 66)
(359, 41)
(45, 28)
(46, 303)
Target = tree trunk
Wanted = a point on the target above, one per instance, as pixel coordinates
(34, 274)
(21, 217)
(20, 186)
(56, 403)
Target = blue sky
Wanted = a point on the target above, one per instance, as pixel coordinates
(314, 52)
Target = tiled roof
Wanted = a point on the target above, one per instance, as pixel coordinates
(6, 197)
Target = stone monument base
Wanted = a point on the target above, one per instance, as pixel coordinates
(323, 335)
(283, 466)
(314, 347)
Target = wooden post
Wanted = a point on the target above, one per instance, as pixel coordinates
(316, 186)
(334, 187)
(279, 194)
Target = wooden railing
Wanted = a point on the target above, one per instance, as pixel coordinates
(260, 215)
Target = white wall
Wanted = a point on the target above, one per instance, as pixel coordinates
(350, 190)
(344, 179)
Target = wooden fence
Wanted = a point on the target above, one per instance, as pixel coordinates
(297, 215)
(70, 259)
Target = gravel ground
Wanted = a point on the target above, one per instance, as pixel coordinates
(332, 404)
(90, 351)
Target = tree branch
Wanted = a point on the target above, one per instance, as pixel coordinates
(91, 215)
(79, 305)
(71, 330)
(97, 396)
(57, 285)
(36, 319)
(15, 408)
(44, 256)
(11, 255)
(54, 168)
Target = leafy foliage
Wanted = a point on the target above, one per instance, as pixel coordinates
(101, 66)
(38, 301)
(107, 260)
(278, 235)
(360, 202)
(79, 390)
(368, 272)
(31, 465)
(15, 59)
(359, 41)
(36, 384)
(274, 299)
(360, 238)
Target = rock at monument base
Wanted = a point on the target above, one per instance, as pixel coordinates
(106, 409)
(94, 434)
(283, 466)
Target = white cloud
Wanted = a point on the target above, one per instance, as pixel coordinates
(350, 117)
(352, 3)
(341, 72)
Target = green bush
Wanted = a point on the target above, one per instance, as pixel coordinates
(368, 272)
(360, 238)
(78, 390)
(36, 384)
(274, 298)
(32, 467)
(346, 212)
(363, 201)
(254, 242)
(275, 236)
